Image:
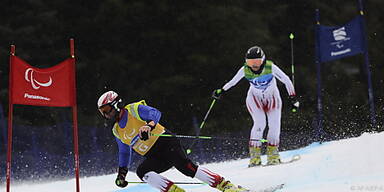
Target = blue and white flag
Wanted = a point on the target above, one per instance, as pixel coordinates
(338, 42)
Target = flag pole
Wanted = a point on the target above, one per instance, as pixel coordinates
(319, 127)
(291, 37)
(74, 115)
(367, 66)
(10, 119)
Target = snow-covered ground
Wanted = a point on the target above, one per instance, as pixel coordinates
(340, 166)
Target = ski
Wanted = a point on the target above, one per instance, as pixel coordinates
(272, 189)
(293, 159)
(269, 189)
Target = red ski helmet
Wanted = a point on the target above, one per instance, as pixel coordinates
(108, 101)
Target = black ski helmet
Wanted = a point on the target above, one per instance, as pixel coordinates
(255, 52)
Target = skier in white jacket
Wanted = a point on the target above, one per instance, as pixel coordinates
(263, 99)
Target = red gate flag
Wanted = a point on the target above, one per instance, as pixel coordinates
(52, 86)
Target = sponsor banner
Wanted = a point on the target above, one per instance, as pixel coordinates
(52, 86)
(339, 42)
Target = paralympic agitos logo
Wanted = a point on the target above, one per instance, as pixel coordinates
(29, 77)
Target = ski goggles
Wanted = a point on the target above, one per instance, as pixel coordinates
(105, 109)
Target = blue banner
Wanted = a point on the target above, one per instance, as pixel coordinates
(338, 42)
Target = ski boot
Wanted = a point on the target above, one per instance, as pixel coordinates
(227, 186)
(273, 157)
(255, 153)
(175, 188)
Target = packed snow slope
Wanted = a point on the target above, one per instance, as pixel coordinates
(354, 164)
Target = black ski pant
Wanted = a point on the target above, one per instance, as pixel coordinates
(166, 153)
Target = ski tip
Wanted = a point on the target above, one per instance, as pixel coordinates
(296, 157)
(274, 188)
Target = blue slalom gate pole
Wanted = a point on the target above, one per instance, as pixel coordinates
(319, 127)
(367, 67)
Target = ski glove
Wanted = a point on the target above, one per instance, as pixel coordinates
(120, 180)
(144, 135)
(144, 131)
(217, 93)
(294, 103)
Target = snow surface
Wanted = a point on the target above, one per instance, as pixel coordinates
(348, 165)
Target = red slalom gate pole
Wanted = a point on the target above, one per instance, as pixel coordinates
(10, 119)
(74, 115)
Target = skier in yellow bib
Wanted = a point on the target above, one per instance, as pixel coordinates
(263, 99)
(136, 127)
